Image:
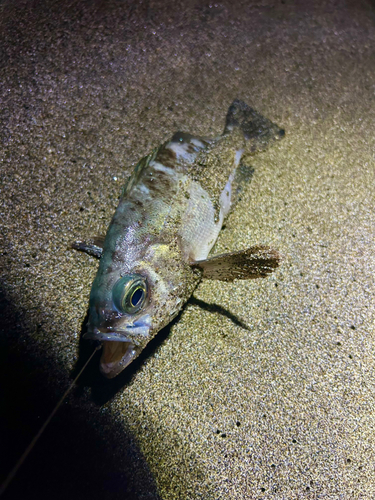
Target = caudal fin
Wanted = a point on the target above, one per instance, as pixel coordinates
(257, 130)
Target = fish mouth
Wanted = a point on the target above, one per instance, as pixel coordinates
(119, 348)
(116, 357)
(124, 334)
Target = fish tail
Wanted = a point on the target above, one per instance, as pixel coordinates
(258, 131)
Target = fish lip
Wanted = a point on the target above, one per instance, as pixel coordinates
(110, 335)
(141, 327)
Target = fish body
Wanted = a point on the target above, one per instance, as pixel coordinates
(157, 245)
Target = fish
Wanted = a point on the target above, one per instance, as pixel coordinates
(157, 246)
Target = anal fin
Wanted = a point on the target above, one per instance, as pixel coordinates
(242, 177)
(254, 262)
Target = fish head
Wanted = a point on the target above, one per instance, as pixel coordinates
(120, 316)
(128, 308)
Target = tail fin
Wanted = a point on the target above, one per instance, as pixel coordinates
(257, 129)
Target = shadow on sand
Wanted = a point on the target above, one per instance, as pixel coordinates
(79, 454)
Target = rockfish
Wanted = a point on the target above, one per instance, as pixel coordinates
(157, 245)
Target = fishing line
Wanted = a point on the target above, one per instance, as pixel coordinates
(14, 471)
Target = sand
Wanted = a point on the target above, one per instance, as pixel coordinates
(259, 390)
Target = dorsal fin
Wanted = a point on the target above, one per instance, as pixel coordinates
(92, 246)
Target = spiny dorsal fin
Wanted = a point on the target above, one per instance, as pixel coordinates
(92, 246)
(254, 262)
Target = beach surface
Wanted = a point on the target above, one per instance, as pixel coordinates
(258, 390)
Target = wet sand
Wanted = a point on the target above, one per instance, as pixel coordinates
(259, 390)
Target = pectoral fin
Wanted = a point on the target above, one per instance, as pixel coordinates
(93, 246)
(254, 262)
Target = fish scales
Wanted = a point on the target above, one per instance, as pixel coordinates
(157, 245)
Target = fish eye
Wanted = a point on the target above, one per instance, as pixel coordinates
(130, 293)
